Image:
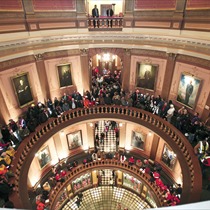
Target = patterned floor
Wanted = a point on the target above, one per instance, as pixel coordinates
(107, 198)
(107, 176)
(109, 143)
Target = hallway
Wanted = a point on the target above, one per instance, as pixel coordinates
(108, 144)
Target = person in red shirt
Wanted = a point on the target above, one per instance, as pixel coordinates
(131, 160)
(40, 205)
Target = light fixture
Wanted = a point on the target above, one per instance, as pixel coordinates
(106, 57)
(150, 133)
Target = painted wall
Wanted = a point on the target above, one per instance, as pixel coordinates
(153, 61)
(52, 74)
(197, 72)
(59, 149)
(8, 92)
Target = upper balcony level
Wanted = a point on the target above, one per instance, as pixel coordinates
(179, 27)
(31, 15)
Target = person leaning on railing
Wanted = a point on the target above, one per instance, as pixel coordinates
(202, 149)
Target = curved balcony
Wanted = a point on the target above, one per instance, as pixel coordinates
(110, 164)
(192, 178)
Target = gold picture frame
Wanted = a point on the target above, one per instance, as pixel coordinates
(168, 157)
(188, 90)
(146, 76)
(64, 75)
(138, 139)
(74, 139)
(44, 157)
(22, 89)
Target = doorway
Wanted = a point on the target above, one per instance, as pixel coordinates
(104, 8)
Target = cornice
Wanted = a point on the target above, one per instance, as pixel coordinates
(92, 51)
(178, 45)
(16, 62)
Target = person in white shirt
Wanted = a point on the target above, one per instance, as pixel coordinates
(122, 158)
(170, 113)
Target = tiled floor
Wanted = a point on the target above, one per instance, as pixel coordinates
(109, 144)
(107, 198)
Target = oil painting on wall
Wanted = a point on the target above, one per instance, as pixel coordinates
(188, 90)
(138, 140)
(168, 157)
(146, 75)
(74, 139)
(64, 74)
(22, 89)
(44, 157)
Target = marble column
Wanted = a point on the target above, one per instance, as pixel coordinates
(41, 70)
(179, 14)
(171, 60)
(126, 69)
(4, 112)
(154, 147)
(86, 72)
(129, 6)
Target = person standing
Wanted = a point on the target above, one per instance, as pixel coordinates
(202, 148)
(170, 113)
(95, 15)
(109, 13)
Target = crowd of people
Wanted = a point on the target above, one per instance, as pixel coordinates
(106, 90)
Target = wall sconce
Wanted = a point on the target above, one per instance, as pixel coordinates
(150, 133)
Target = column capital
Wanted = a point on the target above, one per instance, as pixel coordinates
(127, 51)
(84, 52)
(39, 57)
(171, 55)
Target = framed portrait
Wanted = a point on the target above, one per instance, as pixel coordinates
(22, 89)
(64, 75)
(138, 139)
(44, 157)
(168, 157)
(74, 139)
(146, 75)
(188, 90)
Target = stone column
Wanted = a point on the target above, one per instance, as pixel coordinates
(86, 72)
(80, 7)
(4, 112)
(41, 70)
(171, 60)
(126, 69)
(129, 7)
(179, 14)
(154, 147)
(28, 7)
(128, 14)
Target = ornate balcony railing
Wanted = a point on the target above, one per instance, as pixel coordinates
(192, 178)
(103, 164)
(106, 22)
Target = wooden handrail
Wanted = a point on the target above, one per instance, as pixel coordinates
(192, 178)
(104, 21)
(103, 164)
